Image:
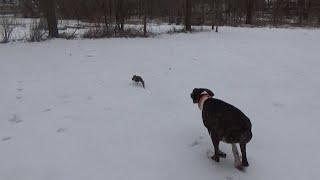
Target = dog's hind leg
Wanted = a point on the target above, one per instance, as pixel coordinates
(236, 155)
(244, 155)
(220, 153)
(215, 141)
(243, 142)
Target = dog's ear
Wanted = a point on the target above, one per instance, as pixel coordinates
(194, 95)
(209, 92)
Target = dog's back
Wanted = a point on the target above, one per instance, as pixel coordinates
(227, 121)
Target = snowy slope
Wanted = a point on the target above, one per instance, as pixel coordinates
(69, 111)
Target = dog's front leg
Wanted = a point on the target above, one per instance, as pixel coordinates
(215, 141)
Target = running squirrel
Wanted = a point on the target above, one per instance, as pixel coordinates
(138, 79)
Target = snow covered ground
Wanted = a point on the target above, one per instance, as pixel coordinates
(69, 110)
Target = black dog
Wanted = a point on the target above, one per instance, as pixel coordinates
(224, 123)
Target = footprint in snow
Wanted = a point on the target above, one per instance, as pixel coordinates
(196, 142)
(62, 130)
(6, 138)
(15, 119)
(108, 109)
(19, 89)
(65, 102)
(46, 110)
(18, 97)
(278, 105)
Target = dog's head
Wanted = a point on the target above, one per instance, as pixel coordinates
(197, 92)
(134, 77)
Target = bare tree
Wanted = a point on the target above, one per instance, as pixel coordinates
(301, 10)
(144, 11)
(48, 8)
(120, 12)
(188, 15)
(29, 8)
(37, 31)
(276, 8)
(249, 9)
(217, 14)
(7, 25)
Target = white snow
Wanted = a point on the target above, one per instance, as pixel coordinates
(69, 110)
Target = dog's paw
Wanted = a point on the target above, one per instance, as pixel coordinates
(239, 167)
(245, 164)
(216, 158)
(222, 154)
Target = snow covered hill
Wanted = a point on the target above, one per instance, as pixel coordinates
(69, 110)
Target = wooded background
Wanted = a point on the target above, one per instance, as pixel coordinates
(116, 13)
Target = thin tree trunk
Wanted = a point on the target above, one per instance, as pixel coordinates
(188, 15)
(145, 13)
(212, 13)
(203, 14)
(249, 6)
(301, 6)
(145, 25)
(48, 7)
(217, 7)
(276, 11)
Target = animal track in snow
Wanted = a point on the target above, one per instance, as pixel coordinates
(6, 138)
(62, 130)
(18, 97)
(15, 119)
(46, 110)
(196, 142)
(278, 104)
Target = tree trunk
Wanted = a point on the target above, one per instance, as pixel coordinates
(301, 6)
(122, 14)
(203, 13)
(212, 14)
(249, 6)
(276, 11)
(48, 8)
(145, 25)
(188, 15)
(144, 9)
(218, 18)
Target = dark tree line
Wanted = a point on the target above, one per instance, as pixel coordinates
(117, 13)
